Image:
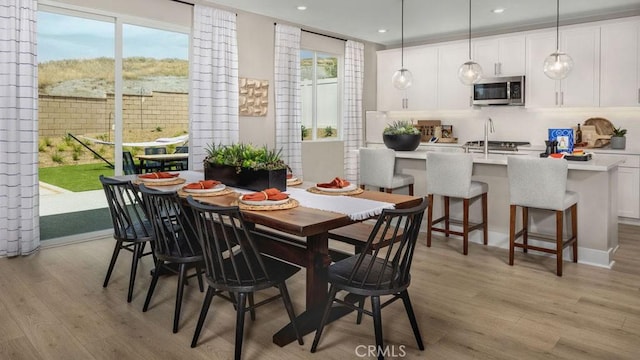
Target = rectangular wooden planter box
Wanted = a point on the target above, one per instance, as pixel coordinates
(256, 180)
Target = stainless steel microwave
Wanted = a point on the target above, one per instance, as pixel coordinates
(506, 90)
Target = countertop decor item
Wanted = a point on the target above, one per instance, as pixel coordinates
(558, 65)
(469, 72)
(401, 136)
(618, 139)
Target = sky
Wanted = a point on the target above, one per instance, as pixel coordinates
(68, 37)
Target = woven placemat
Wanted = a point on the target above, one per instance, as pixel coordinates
(177, 181)
(294, 183)
(316, 190)
(225, 191)
(292, 203)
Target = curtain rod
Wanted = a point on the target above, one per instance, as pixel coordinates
(182, 2)
(317, 33)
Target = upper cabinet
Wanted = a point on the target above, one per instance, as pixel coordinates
(422, 62)
(452, 94)
(620, 68)
(581, 87)
(501, 56)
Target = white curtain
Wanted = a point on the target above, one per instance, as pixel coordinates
(214, 82)
(288, 99)
(19, 221)
(352, 107)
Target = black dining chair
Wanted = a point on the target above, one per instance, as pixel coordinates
(175, 244)
(150, 165)
(233, 264)
(182, 164)
(378, 271)
(129, 166)
(131, 227)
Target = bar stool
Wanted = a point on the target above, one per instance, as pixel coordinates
(449, 175)
(541, 184)
(377, 169)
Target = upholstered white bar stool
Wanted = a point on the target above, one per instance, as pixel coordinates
(541, 184)
(449, 176)
(377, 169)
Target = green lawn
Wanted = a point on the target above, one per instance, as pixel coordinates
(76, 177)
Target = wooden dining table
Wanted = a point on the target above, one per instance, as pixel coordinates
(300, 236)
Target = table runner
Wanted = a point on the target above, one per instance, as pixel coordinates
(355, 208)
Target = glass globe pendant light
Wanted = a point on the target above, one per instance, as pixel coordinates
(402, 78)
(558, 65)
(469, 72)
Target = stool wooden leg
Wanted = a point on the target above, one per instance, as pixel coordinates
(574, 231)
(465, 226)
(525, 228)
(485, 221)
(512, 232)
(429, 219)
(388, 191)
(559, 225)
(411, 189)
(446, 216)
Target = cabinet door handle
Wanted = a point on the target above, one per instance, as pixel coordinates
(495, 69)
(556, 98)
(638, 95)
(562, 98)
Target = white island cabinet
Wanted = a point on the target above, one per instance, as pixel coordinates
(596, 182)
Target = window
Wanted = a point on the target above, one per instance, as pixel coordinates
(321, 94)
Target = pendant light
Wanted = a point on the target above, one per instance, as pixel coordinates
(558, 65)
(469, 72)
(402, 78)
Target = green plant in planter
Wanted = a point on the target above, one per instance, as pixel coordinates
(618, 132)
(304, 131)
(401, 127)
(244, 156)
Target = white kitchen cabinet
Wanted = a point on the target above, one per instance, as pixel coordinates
(422, 94)
(629, 187)
(452, 94)
(581, 88)
(500, 56)
(620, 64)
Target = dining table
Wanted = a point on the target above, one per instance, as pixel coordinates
(298, 235)
(165, 160)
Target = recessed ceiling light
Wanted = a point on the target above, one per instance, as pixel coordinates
(498, 10)
(382, 31)
(302, 7)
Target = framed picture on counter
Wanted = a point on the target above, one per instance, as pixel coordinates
(564, 138)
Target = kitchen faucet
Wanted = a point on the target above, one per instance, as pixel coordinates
(488, 126)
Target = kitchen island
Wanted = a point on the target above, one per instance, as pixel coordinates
(594, 180)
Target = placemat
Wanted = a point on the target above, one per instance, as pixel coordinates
(225, 191)
(177, 181)
(294, 183)
(316, 190)
(292, 203)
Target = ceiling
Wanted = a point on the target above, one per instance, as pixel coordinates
(429, 20)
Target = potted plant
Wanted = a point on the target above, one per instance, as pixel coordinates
(401, 135)
(618, 139)
(246, 166)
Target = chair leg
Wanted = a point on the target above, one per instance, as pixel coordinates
(411, 189)
(429, 219)
(465, 226)
(512, 232)
(242, 301)
(377, 325)
(574, 231)
(199, 275)
(485, 219)
(288, 305)
(112, 263)
(360, 307)
(446, 216)
(525, 229)
(412, 318)
(152, 286)
(252, 312)
(559, 226)
(180, 292)
(137, 249)
(325, 317)
(203, 315)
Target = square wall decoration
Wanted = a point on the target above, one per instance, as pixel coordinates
(564, 137)
(254, 100)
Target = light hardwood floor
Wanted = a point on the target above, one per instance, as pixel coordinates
(53, 306)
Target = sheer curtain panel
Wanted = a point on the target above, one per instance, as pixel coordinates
(19, 222)
(288, 96)
(214, 82)
(352, 107)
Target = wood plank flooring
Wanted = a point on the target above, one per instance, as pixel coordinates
(53, 306)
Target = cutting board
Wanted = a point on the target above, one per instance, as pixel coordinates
(591, 136)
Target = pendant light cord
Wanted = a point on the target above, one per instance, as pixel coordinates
(469, 29)
(557, 25)
(402, 36)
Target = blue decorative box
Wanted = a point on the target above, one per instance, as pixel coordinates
(564, 137)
